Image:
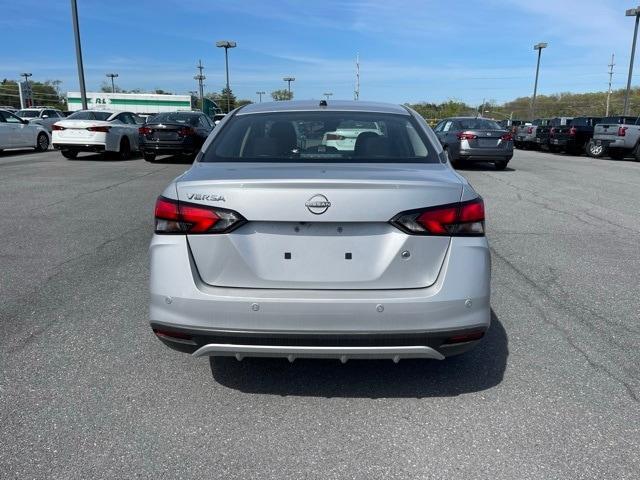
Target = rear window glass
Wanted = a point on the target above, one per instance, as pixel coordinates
(620, 120)
(28, 113)
(321, 137)
(478, 124)
(175, 117)
(84, 115)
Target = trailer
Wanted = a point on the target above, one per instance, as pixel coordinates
(141, 103)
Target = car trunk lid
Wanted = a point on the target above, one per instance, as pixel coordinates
(319, 226)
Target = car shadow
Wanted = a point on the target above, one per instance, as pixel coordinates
(17, 153)
(479, 369)
(99, 157)
(174, 159)
(481, 167)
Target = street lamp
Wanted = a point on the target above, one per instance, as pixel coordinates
(260, 95)
(113, 85)
(327, 94)
(227, 44)
(538, 47)
(632, 12)
(289, 80)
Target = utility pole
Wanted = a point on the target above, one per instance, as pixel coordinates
(26, 81)
(289, 80)
(76, 31)
(260, 93)
(200, 78)
(609, 90)
(356, 93)
(113, 85)
(632, 12)
(539, 48)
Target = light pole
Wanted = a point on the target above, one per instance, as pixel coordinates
(260, 95)
(76, 32)
(227, 44)
(538, 47)
(632, 12)
(113, 85)
(289, 80)
(327, 94)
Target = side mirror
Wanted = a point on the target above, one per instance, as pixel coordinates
(26, 122)
(45, 116)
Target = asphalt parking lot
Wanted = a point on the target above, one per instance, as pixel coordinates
(88, 392)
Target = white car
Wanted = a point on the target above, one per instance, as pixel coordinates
(18, 133)
(345, 135)
(42, 116)
(103, 131)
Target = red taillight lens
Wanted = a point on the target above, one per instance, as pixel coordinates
(466, 136)
(186, 132)
(573, 131)
(144, 130)
(507, 137)
(179, 337)
(57, 127)
(464, 337)
(334, 136)
(456, 219)
(622, 131)
(173, 216)
(530, 130)
(104, 129)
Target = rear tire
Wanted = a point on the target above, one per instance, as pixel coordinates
(595, 151)
(149, 156)
(500, 164)
(42, 143)
(70, 154)
(125, 149)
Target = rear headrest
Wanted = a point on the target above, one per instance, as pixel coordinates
(370, 144)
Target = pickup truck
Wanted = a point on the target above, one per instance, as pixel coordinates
(616, 136)
(573, 138)
(525, 135)
(543, 132)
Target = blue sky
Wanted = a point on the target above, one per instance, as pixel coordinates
(410, 50)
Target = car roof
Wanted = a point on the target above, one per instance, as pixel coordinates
(314, 105)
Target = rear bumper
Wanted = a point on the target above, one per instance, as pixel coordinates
(483, 154)
(160, 147)
(612, 143)
(560, 142)
(340, 319)
(78, 147)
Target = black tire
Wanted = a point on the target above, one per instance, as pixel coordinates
(554, 149)
(616, 154)
(42, 142)
(149, 156)
(125, 149)
(500, 164)
(595, 151)
(636, 153)
(70, 154)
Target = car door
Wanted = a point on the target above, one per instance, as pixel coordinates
(22, 134)
(7, 132)
(130, 129)
(49, 117)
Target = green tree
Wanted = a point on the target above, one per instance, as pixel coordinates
(222, 100)
(44, 93)
(283, 94)
(106, 87)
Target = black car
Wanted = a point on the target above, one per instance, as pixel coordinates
(174, 133)
(574, 138)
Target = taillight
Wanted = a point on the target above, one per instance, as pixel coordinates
(103, 129)
(573, 131)
(464, 337)
(57, 127)
(622, 131)
(507, 137)
(173, 216)
(552, 132)
(456, 219)
(466, 136)
(144, 130)
(334, 136)
(186, 132)
(530, 130)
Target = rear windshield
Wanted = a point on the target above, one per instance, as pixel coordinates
(175, 117)
(479, 124)
(85, 115)
(321, 137)
(620, 120)
(28, 113)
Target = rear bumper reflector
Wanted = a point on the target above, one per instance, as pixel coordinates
(341, 353)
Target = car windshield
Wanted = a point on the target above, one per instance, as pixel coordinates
(175, 117)
(479, 124)
(28, 113)
(312, 137)
(87, 115)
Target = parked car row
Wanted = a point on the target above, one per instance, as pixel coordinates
(16, 132)
(616, 136)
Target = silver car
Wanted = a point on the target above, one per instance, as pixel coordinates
(472, 139)
(41, 116)
(267, 248)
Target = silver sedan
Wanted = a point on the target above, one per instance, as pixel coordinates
(276, 244)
